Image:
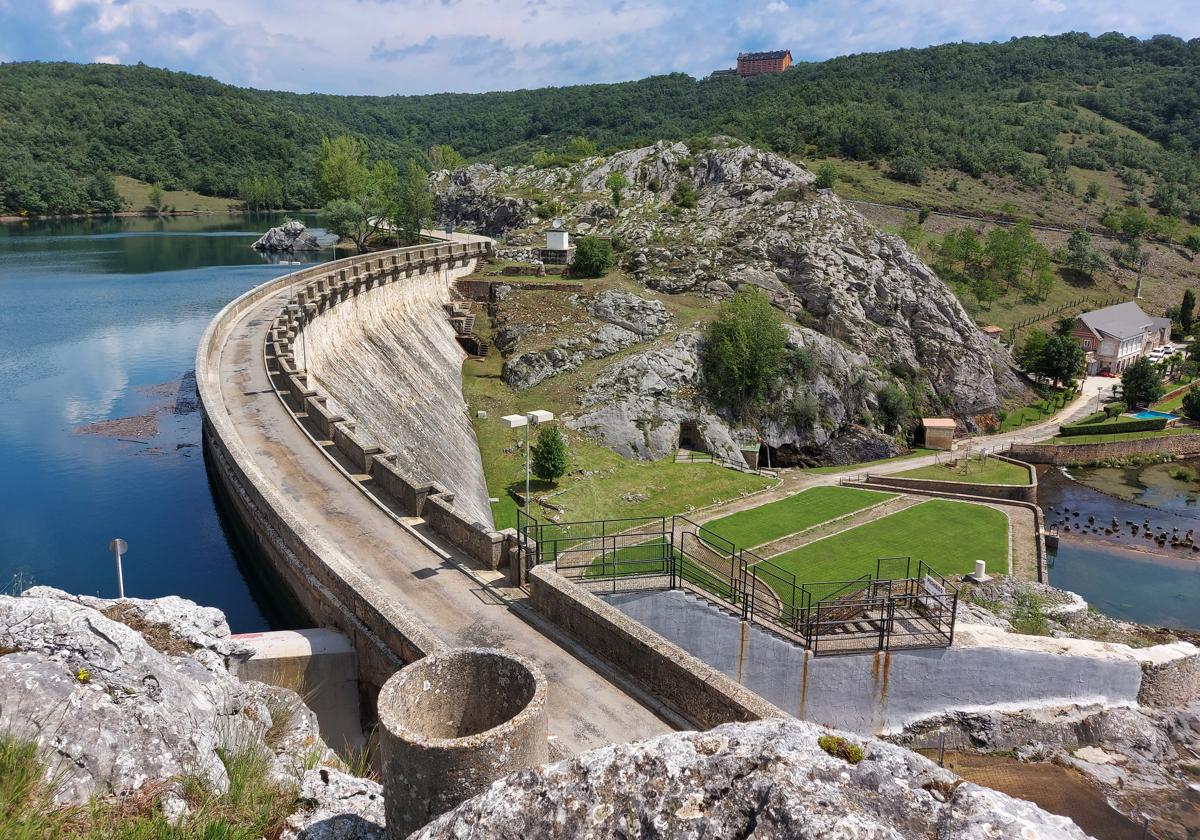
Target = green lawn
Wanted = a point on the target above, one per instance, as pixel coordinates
(759, 525)
(839, 468)
(980, 471)
(1038, 411)
(950, 536)
(1173, 405)
(1085, 439)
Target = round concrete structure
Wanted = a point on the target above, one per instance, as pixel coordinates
(451, 724)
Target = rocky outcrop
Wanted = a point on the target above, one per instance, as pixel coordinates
(765, 780)
(469, 201)
(290, 237)
(119, 695)
(1139, 758)
(624, 320)
(870, 312)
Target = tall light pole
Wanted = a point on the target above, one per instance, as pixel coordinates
(516, 421)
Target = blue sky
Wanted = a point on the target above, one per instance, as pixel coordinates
(424, 46)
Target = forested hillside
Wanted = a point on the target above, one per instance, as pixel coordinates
(1039, 113)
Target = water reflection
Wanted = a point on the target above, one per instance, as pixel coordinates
(100, 322)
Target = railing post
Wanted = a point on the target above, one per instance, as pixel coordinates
(885, 626)
(745, 597)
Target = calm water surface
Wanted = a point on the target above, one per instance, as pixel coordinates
(1125, 575)
(99, 321)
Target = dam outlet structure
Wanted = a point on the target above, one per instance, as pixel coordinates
(453, 723)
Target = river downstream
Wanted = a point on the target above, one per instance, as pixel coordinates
(100, 436)
(1122, 573)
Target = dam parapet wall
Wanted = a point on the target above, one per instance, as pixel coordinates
(327, 584)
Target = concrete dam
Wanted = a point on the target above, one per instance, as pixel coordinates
(336, 434)
(388, 358)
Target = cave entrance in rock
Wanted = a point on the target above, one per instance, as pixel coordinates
(773, 457)
(690, 437)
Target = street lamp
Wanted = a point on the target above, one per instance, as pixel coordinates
(516, 421)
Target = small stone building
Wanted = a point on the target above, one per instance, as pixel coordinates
(939, 432)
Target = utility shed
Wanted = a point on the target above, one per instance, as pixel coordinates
(939, 432)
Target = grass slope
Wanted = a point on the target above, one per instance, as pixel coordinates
(137, 197)
(948, 535)
(980, 471)
(759, 525)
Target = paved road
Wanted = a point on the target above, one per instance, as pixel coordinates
(588, 705)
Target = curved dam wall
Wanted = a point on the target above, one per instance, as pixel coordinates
(387, 357)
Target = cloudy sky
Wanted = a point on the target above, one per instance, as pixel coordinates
(424, 46)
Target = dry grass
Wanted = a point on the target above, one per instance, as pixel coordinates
(156, 634)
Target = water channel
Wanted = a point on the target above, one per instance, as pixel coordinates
(99, 433)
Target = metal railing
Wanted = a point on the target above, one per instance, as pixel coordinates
(903, 605)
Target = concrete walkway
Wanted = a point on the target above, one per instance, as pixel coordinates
(589, 705)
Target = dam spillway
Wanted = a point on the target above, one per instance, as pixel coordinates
(388, 358)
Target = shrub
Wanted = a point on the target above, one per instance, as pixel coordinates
(684, 196)
(839, 747)
(826, 176)
(1141, 383)
(1114, 409)
(908, 169)
(744, 350)
(593, 257)
(1029, 615)
(1191, 404)
(549, 456)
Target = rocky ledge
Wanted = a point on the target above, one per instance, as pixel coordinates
(289, 237)
(767, 780)
(134, 696)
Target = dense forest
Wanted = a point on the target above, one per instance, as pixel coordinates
(1013, 109)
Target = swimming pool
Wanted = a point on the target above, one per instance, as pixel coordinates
(1148, 414)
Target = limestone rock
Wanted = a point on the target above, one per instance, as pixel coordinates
(111, 713)
(289, 237)
(469, 203)
(337, 806)
(767, 780)
(624, 320)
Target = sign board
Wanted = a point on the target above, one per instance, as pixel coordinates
(935, 593)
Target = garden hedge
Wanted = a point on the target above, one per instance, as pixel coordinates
(1149, 425)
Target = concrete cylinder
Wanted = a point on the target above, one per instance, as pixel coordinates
(450, 725)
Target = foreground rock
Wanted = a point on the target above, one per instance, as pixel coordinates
(290, 237)
(765, 780)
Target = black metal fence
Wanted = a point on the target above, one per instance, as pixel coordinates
(904, 605)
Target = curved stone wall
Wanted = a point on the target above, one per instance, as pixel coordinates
(387, 358)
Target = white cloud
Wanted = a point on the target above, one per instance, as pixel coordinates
(106, 59)
(419, 46)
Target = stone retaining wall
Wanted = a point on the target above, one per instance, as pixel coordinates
(1003, 492)
(680, 681)
(1180, 446)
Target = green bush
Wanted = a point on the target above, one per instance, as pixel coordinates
(549, 456)
(1191, 404)
(1115, 408)
(745, 349)
(593, 257)
(684, 196)
(1084, 428)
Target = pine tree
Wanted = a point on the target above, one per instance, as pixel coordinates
(549, 456)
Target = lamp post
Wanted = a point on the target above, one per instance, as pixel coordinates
(516, 421)
(118, 547)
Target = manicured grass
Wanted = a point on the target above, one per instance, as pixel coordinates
(979, 471)
(759, 525)
(1036, 412)
(1173, 405)
(949, 536)
(919, 452)
(1181, 430)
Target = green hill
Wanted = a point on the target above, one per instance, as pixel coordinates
(1047, 114)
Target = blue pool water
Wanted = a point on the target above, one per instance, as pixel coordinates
(100, 321)
(1147, 414)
